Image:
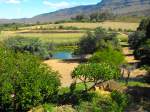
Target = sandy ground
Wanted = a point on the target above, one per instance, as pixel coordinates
(64, 69)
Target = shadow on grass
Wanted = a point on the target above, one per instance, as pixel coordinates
(72, 98)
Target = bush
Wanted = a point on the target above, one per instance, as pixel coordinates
(120, 99)
(108, 56)
(32, 45)
(24, 81)
(104, 104)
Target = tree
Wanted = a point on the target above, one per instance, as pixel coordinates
(109, 56)
(140, 41)
(148, 31)
(97, 40)
(87, 44)
(95, 72)
(143, 24)
(136, 39)
(79, 17)
(94, 17)
(24, 81)
(31, 45)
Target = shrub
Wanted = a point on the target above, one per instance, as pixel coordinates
(24, 81)
(120, 99)
(104, 104)
(108, 56)
(32, 45)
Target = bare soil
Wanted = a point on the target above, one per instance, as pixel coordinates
(64, 68)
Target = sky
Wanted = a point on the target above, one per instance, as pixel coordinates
(10, 9)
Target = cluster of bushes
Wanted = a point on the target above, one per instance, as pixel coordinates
(97, 40)
(24, 81)
(140, 41)
(116, 103)
(31, 45)
(91, 102)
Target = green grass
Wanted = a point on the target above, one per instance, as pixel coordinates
(122, 37)
(79, 87)
(135, 83)
(47, 37)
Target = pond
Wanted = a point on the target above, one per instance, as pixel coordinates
(62, 55)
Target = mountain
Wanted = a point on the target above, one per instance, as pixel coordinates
(118, 7)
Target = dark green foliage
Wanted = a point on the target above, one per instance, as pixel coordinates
(98, 103)
(87, 44)
(136, 39)
(140, 41)
(32, 45)
(120, 99)
(148, 31)
(143, 24)
(97, 40)
(93, 17)
(95, 72)
(80, 17)
(24, 81)
(109, 56)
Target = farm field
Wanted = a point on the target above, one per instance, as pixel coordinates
(107, 25)
(52, 33)
(45, 37)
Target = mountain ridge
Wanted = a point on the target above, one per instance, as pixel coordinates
(117, 7)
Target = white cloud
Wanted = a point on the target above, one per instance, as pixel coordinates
(60, 5)
(12, 1)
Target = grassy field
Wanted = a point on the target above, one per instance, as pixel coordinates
(51, 33)
(107, 24)
(46, 37)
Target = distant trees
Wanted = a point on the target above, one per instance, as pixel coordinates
(24, 81)
(97, 40)
(93, 17)
(12, 26)
(31, 45)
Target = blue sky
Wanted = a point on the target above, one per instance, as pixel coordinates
(28, 8)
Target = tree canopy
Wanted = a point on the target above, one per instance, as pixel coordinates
(95, 72)
(24, 81)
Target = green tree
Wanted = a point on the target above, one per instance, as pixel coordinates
(87, 44)
(95, 72)
(136, 39)
(97, 40)
(143, 24)
(24, 81)
(31, 45)
(109, 56)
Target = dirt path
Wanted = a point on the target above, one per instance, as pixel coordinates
(64, 69)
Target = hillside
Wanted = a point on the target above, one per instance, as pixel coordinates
(118, 7)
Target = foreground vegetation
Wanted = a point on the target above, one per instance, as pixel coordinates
(28, 84)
